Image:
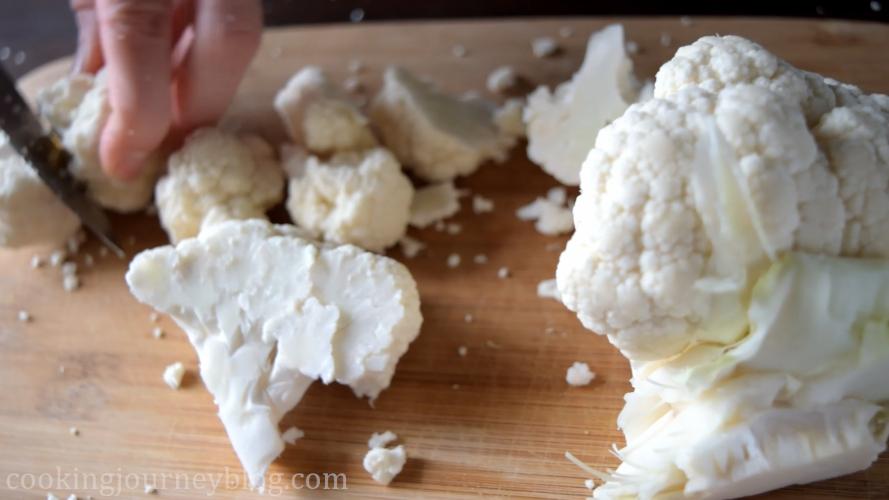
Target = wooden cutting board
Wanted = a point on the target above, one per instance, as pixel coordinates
(494, 423)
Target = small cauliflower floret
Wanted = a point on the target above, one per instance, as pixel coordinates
(551, 214)
(217, 176)
(799, 399)
(509, 118)
(438, 136)
(562, 126)
(383, 464)
(319, 116)
(30, 214)
(82, 138)
(434, 203)
(269, 312)
(358, 198)
(58, 103)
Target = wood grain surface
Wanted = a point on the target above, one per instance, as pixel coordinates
(494, 423)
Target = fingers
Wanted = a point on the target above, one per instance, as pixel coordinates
(88, 58)
(136, 42)
(226, 36)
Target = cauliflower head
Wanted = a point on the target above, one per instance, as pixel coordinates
(30, 213)
(269, 312)
(738, 158)
(438, 136)
(217, 176)
(319, 115)
(358, 198)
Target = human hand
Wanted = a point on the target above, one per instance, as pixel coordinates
(172, 66)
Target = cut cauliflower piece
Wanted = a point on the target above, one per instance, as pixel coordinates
(434, 203)
(438, 136)
(508, 118)
(562, 126)
(358, 198)
(81, 138)
(30, 213)
(319, 115)
(269, 312)
(645, 266)
(551, 214)
(217, 176)
(799, 399)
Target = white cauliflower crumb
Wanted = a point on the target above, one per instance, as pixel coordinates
(30, 213)
(579, 374)
(481, 205)
(462, 351)
(74, 431)
(173, 375)
(70, 282)
(685, 21)
(552, 215)
(508, 118)
(544, 46)
(438, 136)
(502, 79)
(433, 203)
(665, 39)
(150, 489)
(410, 247)
(318, 115)
(24, 316)
(217, 176)
(547, 289)
(50, 496)
(37, 261)
(453, 260)
(154, 317)
(459, 51)
(562, 126)
(381, 439)
(503, 273)
(292, 435)
(566, 31)
(453, 228)
(361, 198)
(383, 464)
(158, 332)
(480, 258)
(468, 318)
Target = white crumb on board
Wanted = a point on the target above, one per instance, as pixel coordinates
(579, 374)
(173, 375)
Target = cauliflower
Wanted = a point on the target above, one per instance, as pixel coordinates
(800, 399)
(217, 176)
(29, 212)
(269, 312)
(434, 203)
(688, 196)
(77, 107)
(508, 118)
(318, 115)
(358, 198)
(439, 137)
(562, 126)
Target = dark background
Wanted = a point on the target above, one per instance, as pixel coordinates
(36, 31)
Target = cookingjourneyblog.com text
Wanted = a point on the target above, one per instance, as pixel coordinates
(122, 483)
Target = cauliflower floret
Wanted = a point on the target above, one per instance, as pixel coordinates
(643, 265)
(29, 212)
(269, 312)
(81, 139)
(509, 118)
(58, 103)
(439, 137)
(217, 176)
(358, 198)
(562, 126)
(318, 115)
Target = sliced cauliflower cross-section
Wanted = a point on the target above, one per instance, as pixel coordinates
(30, 213)
(268, 312)
(562, 126)
(358, 198)
(217, 176)
(318, 115)
(438, 136)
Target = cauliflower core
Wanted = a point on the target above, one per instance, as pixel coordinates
(562, 126)
(439, 137)
(217, 176)
(30, 213)
(269, 312)
(801, 161)
(318, 115)
(358, 198)
(77, 107)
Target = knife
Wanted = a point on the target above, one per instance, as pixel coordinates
(46, 155)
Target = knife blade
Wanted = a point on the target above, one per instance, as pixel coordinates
(46, 155)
